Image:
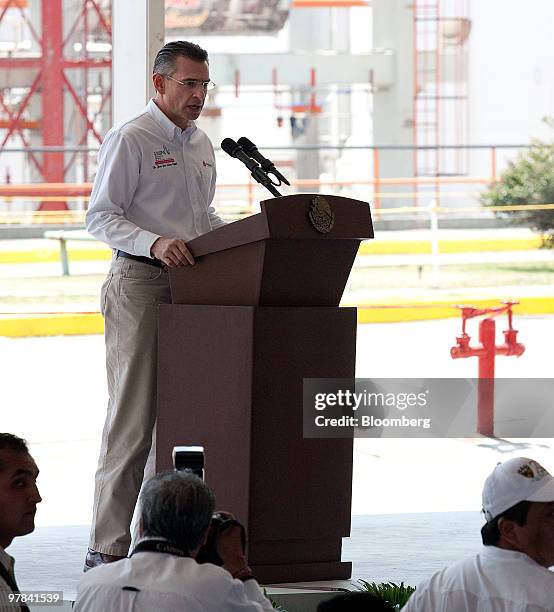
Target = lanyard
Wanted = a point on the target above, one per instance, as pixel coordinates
(159, 546)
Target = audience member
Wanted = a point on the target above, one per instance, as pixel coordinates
(510, 573)
(161, 573)
(19, 497)
(355, 602)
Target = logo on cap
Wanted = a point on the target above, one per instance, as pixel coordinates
(526, 470)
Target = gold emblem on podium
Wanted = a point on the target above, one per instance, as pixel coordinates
(321, 215)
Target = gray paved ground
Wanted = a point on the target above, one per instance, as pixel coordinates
(415, 502)
(393, 547)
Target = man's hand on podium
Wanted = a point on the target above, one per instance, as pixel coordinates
(173, 252)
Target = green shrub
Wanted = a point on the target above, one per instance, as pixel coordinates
(396, 594)
(529, 179)
(275, 605)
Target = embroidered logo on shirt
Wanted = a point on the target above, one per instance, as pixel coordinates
(163, 158)
(205, 163)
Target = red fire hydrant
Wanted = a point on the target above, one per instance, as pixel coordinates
(486, 352)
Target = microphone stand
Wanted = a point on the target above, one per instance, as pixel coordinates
(269, 186)
(261, 177)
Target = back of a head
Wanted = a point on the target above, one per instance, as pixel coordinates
(178, 506)
(355, 602)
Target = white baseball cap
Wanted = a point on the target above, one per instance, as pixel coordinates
(516, 480)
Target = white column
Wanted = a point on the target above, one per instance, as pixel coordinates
(138, 34)
(393, 107)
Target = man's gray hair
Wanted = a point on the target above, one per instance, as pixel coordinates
(167, 55)
(177, 505)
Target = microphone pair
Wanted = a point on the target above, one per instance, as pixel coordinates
(245, 150)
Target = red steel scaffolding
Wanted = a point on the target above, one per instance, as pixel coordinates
(51, 76)
(440, 32)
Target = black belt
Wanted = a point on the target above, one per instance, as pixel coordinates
(147, 260)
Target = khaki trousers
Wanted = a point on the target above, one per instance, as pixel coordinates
(130, 297)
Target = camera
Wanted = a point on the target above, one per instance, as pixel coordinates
(220, 522)
(189, 458)
(192, 458)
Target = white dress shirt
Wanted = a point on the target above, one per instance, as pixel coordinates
(494, 580)
(153, 180)
(160, 582)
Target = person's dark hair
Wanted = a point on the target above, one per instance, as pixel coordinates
(14, 443)
(177, 505)
(490, 533)
(167, 55)
(355, 602)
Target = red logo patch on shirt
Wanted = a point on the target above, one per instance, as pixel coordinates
(163, 158)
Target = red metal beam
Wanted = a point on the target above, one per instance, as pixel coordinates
(52, 95)
(107, 26)
(5, 9)
(81, 108)
(50, 81)
(20, 110)
(86, 63)
(21, 62)
(22, 124)
(45, 189)
(75, 24)
(85, 133)
(17, 125)
(328, 3)
(29, 24)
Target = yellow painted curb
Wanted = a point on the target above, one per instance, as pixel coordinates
(393, 311)
(21, 326)
(368, 247)
(423, 247)
(53, 256)
(397, 311)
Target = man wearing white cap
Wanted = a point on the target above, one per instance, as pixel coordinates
(510, 573)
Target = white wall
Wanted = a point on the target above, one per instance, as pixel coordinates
(511, 72)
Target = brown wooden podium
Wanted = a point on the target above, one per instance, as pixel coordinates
(256, 314)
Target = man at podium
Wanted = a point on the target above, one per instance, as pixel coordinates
(152, 194)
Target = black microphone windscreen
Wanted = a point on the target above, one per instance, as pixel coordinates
(246, 144)
(229, 146)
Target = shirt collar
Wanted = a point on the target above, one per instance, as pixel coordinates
(171, 130)
(495, 552)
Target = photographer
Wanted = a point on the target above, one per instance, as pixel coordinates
(161, 573)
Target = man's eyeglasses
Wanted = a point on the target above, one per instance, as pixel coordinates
(193, 83)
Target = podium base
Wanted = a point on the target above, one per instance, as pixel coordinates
(230, 379)
(302, 572)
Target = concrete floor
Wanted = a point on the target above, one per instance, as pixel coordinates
(397, 547)
(415, 502)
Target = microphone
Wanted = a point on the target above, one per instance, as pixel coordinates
(235, 150)
(267, 165)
